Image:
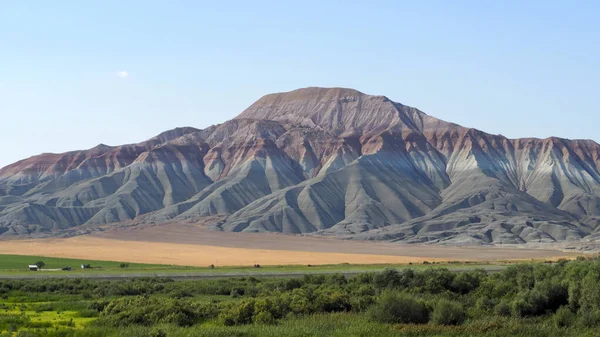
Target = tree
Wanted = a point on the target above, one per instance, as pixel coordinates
(40, 264)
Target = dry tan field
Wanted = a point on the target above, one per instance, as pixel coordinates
(194, 246)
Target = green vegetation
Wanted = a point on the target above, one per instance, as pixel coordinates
(16, 266)
(538, 299)
(20, 263)
(393, 307)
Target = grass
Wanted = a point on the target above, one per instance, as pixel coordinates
(20, 263)
(16, 266)
(34, 316)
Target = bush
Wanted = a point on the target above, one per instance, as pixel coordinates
(238, 313)
(40, 264)
(147, 311)
(448, 313)
(335, 301)
(263, 317)
(485, 304)
(235, 293)
(435, 280)
(503, 308)
(292, 284)
(521, 308)
(388, 278)
(124, 265)
(466, 282)
(589, 318)
(396, 308)
(564, 317)
(589, 296)
(555, 295)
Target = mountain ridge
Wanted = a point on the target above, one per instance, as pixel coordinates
(325, 161)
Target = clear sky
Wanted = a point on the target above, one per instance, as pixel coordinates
(74, 74)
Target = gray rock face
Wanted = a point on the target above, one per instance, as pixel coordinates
(325, 161)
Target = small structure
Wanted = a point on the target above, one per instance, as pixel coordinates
(84, 266)
(33, 267)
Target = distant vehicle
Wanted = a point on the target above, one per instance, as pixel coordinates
(33, 267)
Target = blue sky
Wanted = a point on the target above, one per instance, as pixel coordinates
(74, 74)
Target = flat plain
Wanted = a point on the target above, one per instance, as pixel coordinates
(183, 245)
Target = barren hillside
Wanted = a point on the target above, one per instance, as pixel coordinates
(328, 161)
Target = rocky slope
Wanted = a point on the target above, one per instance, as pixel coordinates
(325, 161)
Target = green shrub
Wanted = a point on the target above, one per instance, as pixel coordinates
(334, 301)
(503, 308)
(395, 308)
(521, 308)
(589, 318)
(299, 302)
(147, 311)
(564, 317)
(485, 304)
(435, 281)
(235, 293)
(388, 278)
(448, 313)
(554, 295)
(238, 313)
(466, 282)
(263, 317)
(589, 292)
(292, 284)
(361, 303)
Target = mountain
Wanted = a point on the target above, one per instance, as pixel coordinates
(327, 161)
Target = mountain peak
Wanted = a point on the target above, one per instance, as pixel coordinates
(101, 146)
(312, 93)
(338, 110)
